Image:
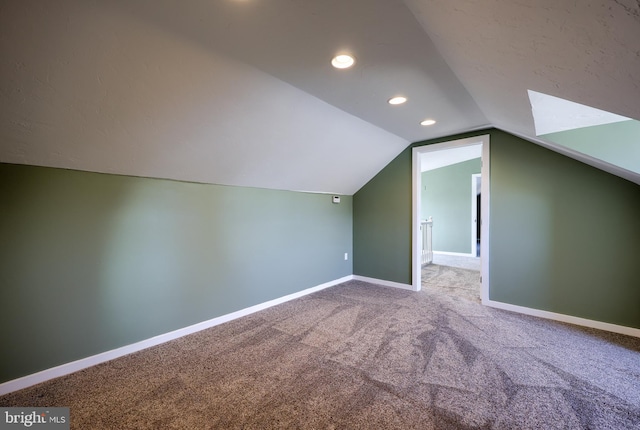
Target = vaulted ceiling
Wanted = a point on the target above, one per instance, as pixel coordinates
(242, 92)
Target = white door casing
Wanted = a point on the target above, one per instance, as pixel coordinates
(423, 151)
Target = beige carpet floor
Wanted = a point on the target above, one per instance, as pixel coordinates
(454, 281)
(360, 356)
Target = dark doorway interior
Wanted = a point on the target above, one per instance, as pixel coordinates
(478, 223)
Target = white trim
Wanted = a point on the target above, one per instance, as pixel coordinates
(417, 201)
(485, 199)
(83, 363)
(416, 236)
(629, 331)
(455, 254)
(383, 282)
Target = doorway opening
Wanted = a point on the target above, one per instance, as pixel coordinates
(476, 244)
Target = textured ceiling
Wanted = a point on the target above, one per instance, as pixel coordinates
(587, 52)
(241, 92)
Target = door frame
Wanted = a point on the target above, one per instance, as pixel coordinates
(417, 153)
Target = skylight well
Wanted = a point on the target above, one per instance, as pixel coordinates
(602, 135)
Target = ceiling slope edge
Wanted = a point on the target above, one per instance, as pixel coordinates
(578, 156)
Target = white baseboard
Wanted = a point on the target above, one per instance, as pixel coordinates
(629, 331)
(74, 366)
(383, 282)
(455, 254)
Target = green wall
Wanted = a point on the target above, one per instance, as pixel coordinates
(564, 235)
(91, 262)
(446, 196)
(617, 143)
(382, 223)
(563, 238)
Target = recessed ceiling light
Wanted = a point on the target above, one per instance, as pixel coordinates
(398, 100)
(428, 122)
(343, 61)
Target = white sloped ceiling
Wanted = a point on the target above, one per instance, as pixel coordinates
(241, 92)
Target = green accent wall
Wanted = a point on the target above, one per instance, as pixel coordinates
(563, 235)
(446, 196)
(381, 217)
(617, 143)
(91, 262)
